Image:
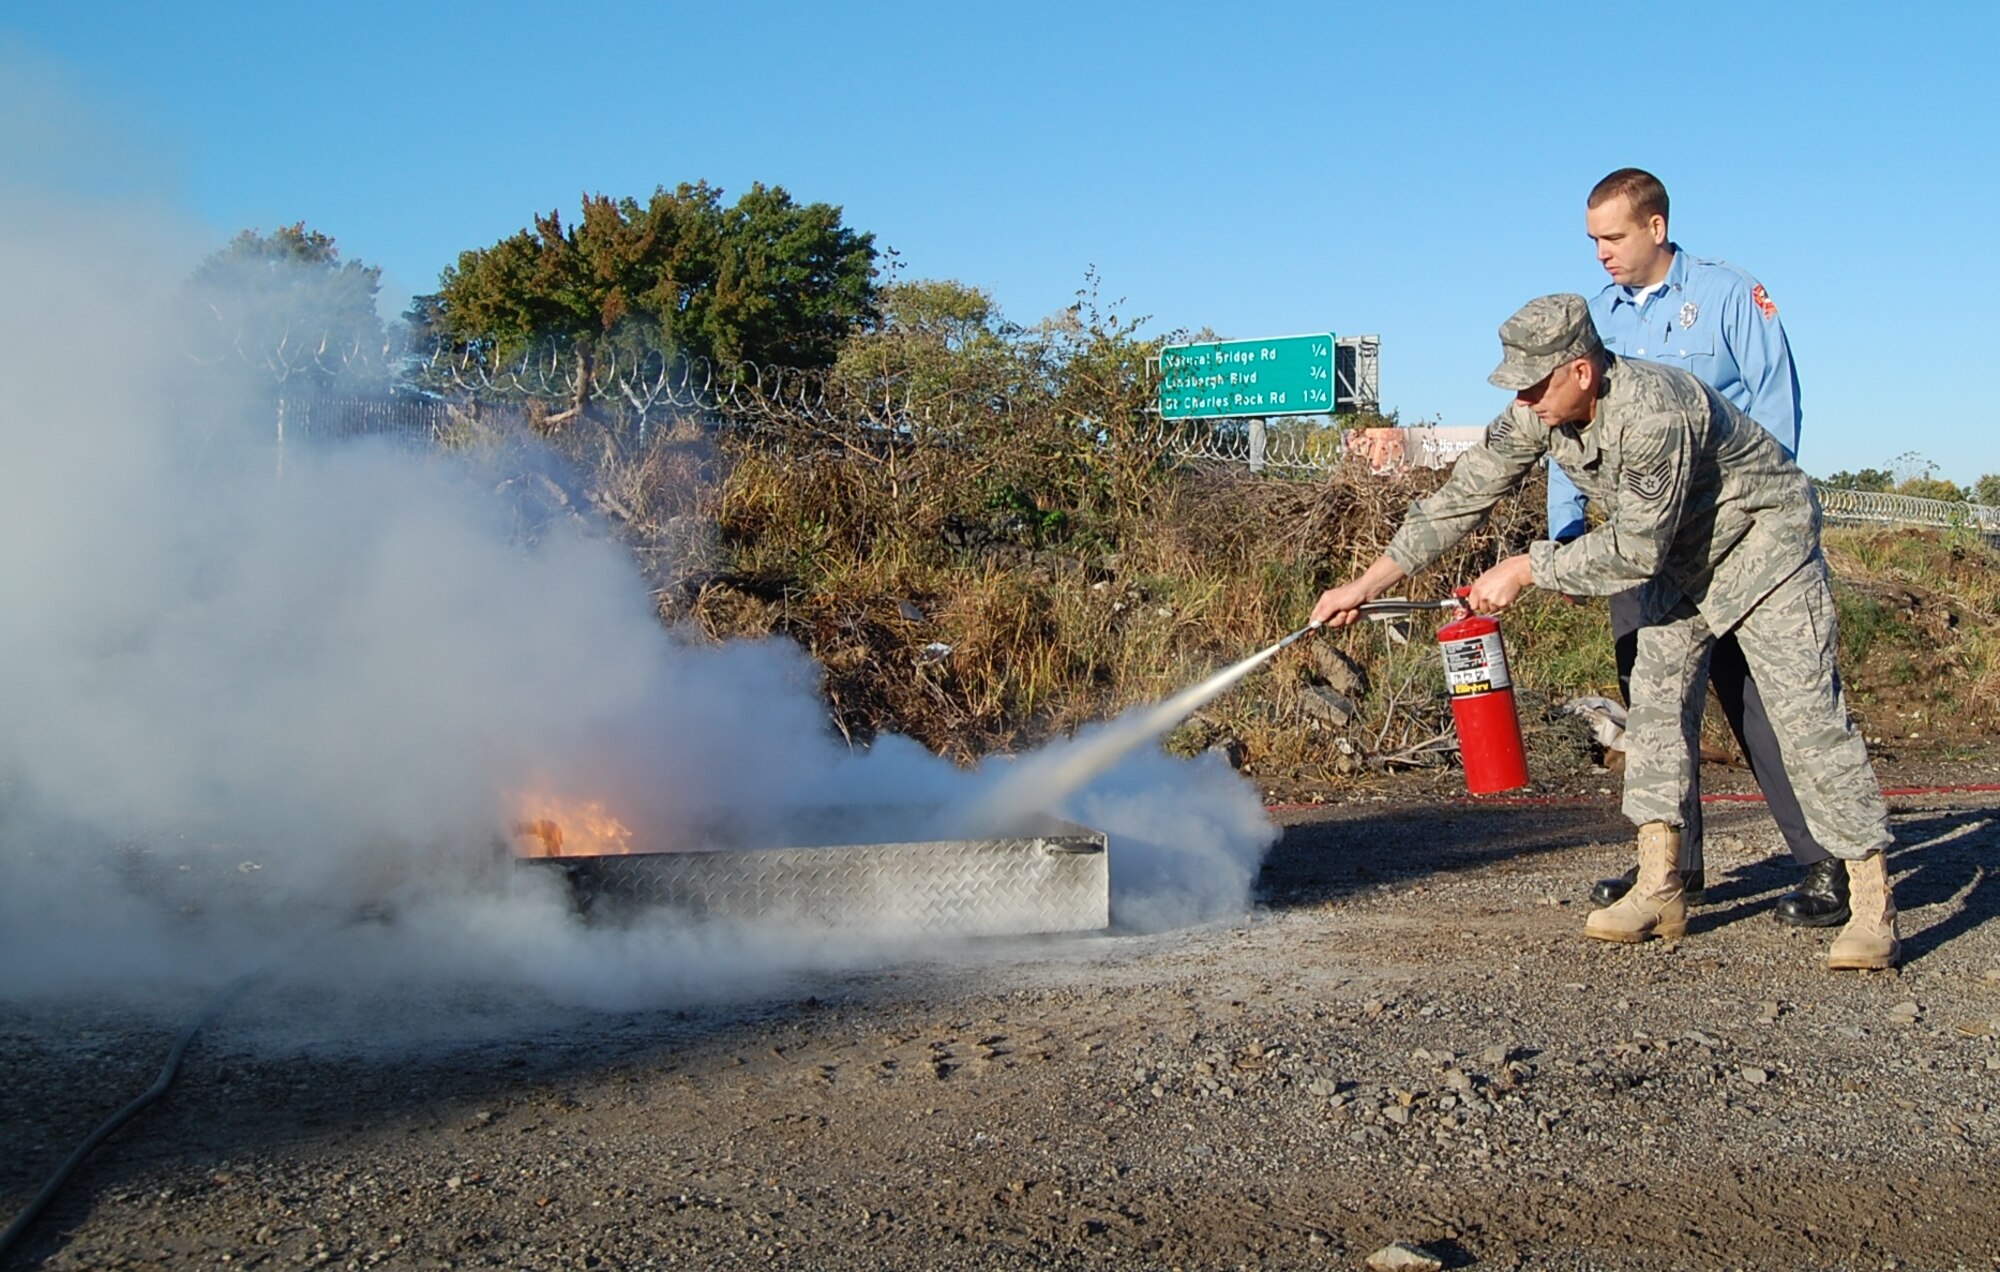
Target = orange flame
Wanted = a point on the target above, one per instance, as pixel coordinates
(551, 827)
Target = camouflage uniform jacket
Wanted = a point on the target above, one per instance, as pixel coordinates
(1700, 501)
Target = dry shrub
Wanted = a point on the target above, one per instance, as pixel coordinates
(1212, 519)
(971, 591)
(1919, 615)
(1215, 564)
(675, 473)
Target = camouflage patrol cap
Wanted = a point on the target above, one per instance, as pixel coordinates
(1542, 335)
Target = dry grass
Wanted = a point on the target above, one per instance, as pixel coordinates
(1919, 614)
(945, 604)
(1132, 603)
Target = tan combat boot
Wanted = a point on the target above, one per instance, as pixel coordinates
(1656, 905)
(1869, 939)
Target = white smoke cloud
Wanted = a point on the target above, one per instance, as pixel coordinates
(271, 708)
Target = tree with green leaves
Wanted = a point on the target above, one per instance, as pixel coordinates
(286, 307)
(937, 342)
(1874, 480)
(1987, 490)
(1104, 388)
(955, 382)
(1931, 487)
(1045, 425)
(765, 280)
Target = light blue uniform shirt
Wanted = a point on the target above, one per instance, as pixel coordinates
(1714, 320)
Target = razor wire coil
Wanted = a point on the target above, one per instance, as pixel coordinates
(649, 387)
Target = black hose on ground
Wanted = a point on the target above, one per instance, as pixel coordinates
(168, 1071)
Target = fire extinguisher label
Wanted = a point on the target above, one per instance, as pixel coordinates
(1477, 664)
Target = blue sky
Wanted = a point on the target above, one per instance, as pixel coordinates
(1411, 170)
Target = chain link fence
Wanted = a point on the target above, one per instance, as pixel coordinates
(751, 395)
(410, 419)
(1306, 451)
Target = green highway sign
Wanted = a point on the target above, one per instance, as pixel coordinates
(1285, 375)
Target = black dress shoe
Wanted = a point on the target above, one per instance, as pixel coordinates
(1608, 891)
(1820, 899)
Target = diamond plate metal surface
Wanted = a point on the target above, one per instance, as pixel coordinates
(1057, 882)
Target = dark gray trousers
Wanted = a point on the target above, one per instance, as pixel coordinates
(1729, 676)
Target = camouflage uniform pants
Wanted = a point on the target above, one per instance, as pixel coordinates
(1788, 639)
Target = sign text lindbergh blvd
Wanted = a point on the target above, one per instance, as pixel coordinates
(1286, 375)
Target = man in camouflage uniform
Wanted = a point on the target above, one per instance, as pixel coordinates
(1719, 530)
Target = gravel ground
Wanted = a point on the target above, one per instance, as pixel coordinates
(1408, 1039)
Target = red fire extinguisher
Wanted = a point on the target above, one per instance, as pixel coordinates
(1482, 704)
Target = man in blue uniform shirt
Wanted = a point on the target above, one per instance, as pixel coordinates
(1716, 321)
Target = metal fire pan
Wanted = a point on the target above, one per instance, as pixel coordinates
(1050, 876)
